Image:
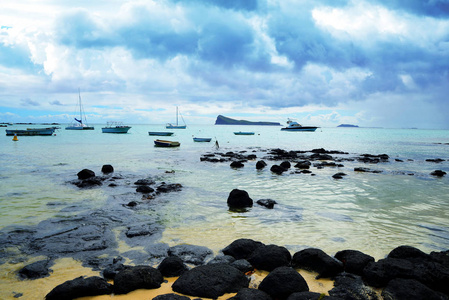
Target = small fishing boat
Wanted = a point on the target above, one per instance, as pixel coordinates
(176, 126)
(115, 127)
(80, 123)
(198, 139)
(163, 143)
(295, 126)
(160, 133)
(244, 133)
(30, 131)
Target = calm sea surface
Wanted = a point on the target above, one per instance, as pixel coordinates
(369, 212)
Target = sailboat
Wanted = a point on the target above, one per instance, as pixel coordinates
(80, 123)
(176, 126)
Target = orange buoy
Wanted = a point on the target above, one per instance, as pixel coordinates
(15, 138)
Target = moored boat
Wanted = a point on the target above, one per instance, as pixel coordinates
(30, 131)
(176, 126)
(81, 123)
(244, 133)
(198, 139)
(115, 127)
(160, 133)
(164, 143)
(295, 126)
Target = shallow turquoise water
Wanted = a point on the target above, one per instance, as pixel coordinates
(370, 212)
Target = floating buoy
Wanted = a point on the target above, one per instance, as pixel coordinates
(15, 138)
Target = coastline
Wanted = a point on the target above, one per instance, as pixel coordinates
(236, 156)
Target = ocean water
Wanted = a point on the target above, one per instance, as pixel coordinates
(373, 213)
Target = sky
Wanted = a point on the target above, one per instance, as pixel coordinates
(377, 63)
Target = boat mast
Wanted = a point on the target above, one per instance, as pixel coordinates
(79, 100)
(176, 116)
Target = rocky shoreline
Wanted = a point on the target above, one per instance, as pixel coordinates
(406, 273)
(89, 236)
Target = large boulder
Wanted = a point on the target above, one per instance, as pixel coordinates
(241, 248)
(239, 199)
(317, 260)
(282, 282)
(85, 174)
(270, 257)
(80, 287)
(172, 266)
(138, 277)
(407, 262)
(354, 261)
(210, 281)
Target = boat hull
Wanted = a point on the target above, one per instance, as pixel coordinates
(202, 140)
(163, 143)
(79, 128)
(171, 126)
(243, 133)
(121, 129)
(30, 132)
(160, 133)
(304, 128)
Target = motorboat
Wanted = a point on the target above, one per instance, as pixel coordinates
(115, 127)
(30, 131)
(295, 126)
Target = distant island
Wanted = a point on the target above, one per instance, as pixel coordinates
(222, 120)
(347, 125)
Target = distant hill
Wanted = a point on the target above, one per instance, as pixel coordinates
(347, 125)
(222, 120)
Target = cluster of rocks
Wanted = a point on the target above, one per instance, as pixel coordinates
(303, 160)
(406, 273)
(88, 179)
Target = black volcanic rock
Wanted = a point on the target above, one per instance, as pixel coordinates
(317, 260)
(239, 199)
(282, 282)
(80, 287)
(241, 248)
(270, 257)
(210, 281)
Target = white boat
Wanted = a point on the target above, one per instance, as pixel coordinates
(81, 123)
(30, 131)
(115, 127)
(295, 126)
(176, 126)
